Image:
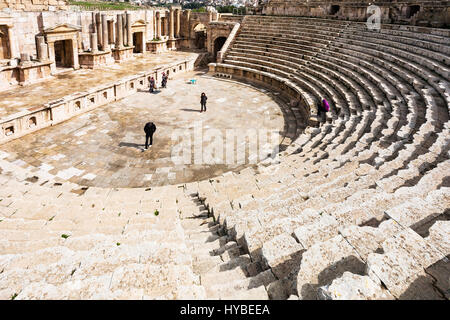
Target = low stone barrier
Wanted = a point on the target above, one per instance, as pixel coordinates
(35, 118)
(291, 93)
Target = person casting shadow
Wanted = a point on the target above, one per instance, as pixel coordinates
(203, 99)
(149, 130)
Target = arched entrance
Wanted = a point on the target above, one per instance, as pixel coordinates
(412, 10)
(200, 35)
(334, 9)
(218, 44)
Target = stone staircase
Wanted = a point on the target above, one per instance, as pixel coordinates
(62, 241)
(339, 217)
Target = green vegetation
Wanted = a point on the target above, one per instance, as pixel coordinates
(203, 9)
(229, 9)
(156, 212)
(65, 236)
(118, 243)
(194, 5)
(14, 296)
(101, 5)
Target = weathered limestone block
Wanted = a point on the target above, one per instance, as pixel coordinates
(324, 228)
(354, 287)
(367, 240)
(282, 254)
(324, 262)
(255, 238)
(401, 266)
(402, 275)
(416, 212)
(423, 252)
(440, 236)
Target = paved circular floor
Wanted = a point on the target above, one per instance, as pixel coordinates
(104, 147)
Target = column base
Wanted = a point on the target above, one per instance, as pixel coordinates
(93, 60)
(123, 54)
(157, 46)
(32, 72)
(171, 44)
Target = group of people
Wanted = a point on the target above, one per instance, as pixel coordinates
(164, 78)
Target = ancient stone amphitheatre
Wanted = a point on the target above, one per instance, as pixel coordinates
(352, 207)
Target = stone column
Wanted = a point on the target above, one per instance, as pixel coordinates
(41, 48)
(124, 29)
(119, 32)
(171, 24)
(76, 64)
(129, 33)
(105, 45)
(14, 53)
(94, 43)
(188, 24)
(154, 24)
(94, 24)
(158, 24)
(51, 55)
(146, 23)
(178, 23)
(99, 29)
(80, 42)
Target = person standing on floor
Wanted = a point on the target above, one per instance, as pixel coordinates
(152, 84)
(164, 80)
(149, 130)
(203, 99)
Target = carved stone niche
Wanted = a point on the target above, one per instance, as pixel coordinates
(62, 41)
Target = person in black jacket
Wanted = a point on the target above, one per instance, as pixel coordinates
(164, 80)
(149, 129)
(152, 84)
(203, 99)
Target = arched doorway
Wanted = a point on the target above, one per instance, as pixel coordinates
(334, 9)
(200, 35)
(218, 44)
(412, 10)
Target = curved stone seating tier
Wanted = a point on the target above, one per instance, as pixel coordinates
(62, 241)
(352, 201)
(356, 208)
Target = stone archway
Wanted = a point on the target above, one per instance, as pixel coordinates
(62, 43)
(218, 44)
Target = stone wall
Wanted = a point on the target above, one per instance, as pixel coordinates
(26, 25)
(34, 5)
(424, 13)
